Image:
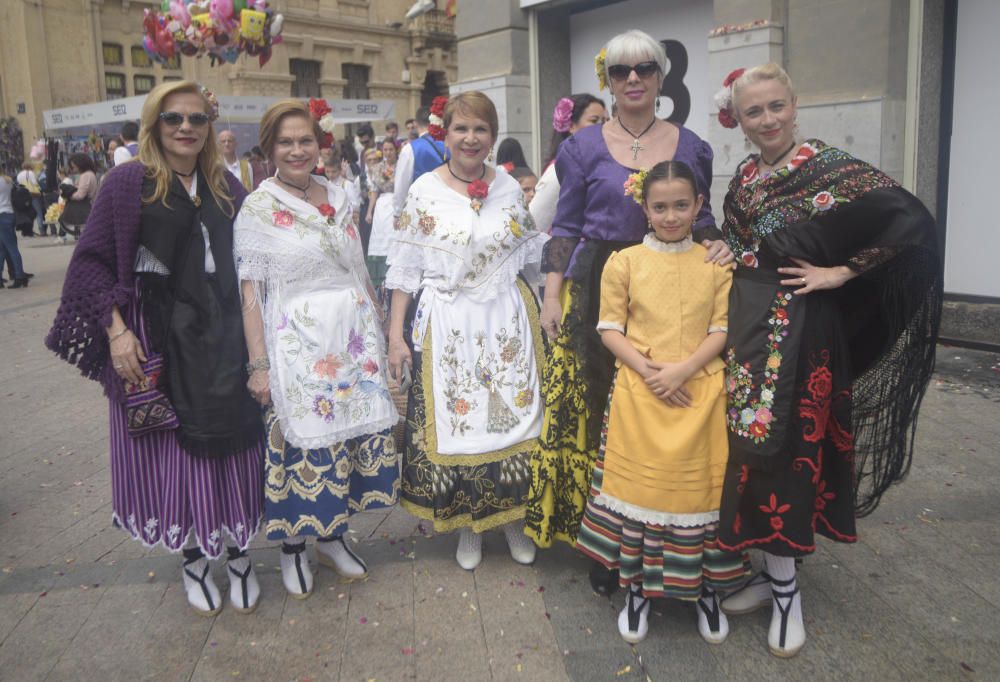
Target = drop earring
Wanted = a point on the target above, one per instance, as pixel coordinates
(657, 105)
(490, 156)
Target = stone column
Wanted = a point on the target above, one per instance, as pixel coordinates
(493, 58)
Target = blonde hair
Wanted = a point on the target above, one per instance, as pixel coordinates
(757, 74)
(151, 154)
(270, 122)
(473, 103)
(632, 47)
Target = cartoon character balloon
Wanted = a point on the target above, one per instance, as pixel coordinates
(220, 29)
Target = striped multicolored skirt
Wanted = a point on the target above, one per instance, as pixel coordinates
(161, 494)
(674, 561)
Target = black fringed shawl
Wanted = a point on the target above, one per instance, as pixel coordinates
(832, 209)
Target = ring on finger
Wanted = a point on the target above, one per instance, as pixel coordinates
(802, 280)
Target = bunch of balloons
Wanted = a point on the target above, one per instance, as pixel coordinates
(221, 29)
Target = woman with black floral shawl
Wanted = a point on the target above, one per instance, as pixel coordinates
(834, 314)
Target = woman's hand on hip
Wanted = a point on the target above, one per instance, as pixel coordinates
(808, 277)
(399, 355)
(551, 317)
(259, 385)
(126, 356)
(718, 252)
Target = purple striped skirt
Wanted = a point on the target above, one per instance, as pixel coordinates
(160, 493)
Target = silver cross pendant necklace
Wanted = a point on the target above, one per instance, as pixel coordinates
(636, 147)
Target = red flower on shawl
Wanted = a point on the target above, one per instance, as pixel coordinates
(749, 173)
(283, 218)
(820, 383)
(478, 189)
(318, 108)
(804, 153)
(327, 211)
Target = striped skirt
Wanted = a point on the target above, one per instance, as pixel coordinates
(161, 494)
(666, 560)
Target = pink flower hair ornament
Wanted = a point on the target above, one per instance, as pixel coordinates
(724, 99)
(562, 116)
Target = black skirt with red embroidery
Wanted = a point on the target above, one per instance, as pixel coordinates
(791, 467)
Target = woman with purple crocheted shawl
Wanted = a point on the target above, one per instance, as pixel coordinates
(153, 276)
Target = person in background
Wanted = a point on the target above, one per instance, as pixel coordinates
(8, 237)
(392, 132)
(129, 148)
(510, 155)
(365, 139)
(527, 179)
(411, 129)
(382, 183)
(260, 166)
(420, 156)
(333, 169)
(78, 204)
(571, 114)
(27, 179)
(113, 144)
(240, 168)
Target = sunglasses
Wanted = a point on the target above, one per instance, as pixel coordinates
(620, 72)
(173, 119)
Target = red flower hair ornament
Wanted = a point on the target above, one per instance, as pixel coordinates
(436, 127)
(321, 113)
(724, 99)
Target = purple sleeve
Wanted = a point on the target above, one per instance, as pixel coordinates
(704, 225)
(572, 193)
(238, 191)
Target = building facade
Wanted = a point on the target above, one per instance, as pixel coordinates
(58, 53)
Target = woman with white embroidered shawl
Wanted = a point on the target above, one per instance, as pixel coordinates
(474, 411)
(317, 357)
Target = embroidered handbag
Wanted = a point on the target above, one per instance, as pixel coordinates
(147, 407)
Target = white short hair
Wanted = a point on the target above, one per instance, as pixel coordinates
(633, 47)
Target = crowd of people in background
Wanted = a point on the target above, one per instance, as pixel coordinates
(572, 364)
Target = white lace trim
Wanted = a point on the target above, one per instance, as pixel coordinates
(334, 437)
(603, 324)
(175, 546)
(714, 328)
(653, 242)
(403, 278)
(653, 517)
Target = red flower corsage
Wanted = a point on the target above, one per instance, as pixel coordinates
(478, 190)
(328, 212)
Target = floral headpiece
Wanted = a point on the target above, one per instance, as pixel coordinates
(213, 103)
(320, 111)
(436, 127)
(724, 99)
(562, 117)
(636, 185)
(601, 68)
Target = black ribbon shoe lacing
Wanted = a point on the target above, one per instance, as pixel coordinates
(297, 550)
(190, 557)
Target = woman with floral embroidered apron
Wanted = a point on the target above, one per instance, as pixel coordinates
(833, 318)
(474, 412)
(317, 357)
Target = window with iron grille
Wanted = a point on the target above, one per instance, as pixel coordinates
(114, 85)
(113, 54)
(140, 58)
(306, 72)
(356, 76)
(143, 84)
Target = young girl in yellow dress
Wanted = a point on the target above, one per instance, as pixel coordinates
(653, 510)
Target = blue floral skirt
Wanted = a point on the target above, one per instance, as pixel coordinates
(314, 492)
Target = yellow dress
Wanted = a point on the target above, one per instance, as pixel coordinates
(657, 484)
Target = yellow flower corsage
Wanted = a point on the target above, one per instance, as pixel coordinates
(635, 185)
(600, 67)
(515, 228)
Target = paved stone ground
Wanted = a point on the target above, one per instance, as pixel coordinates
(79, 600)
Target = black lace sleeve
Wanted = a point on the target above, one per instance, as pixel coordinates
(867, 259)
(557, 253)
